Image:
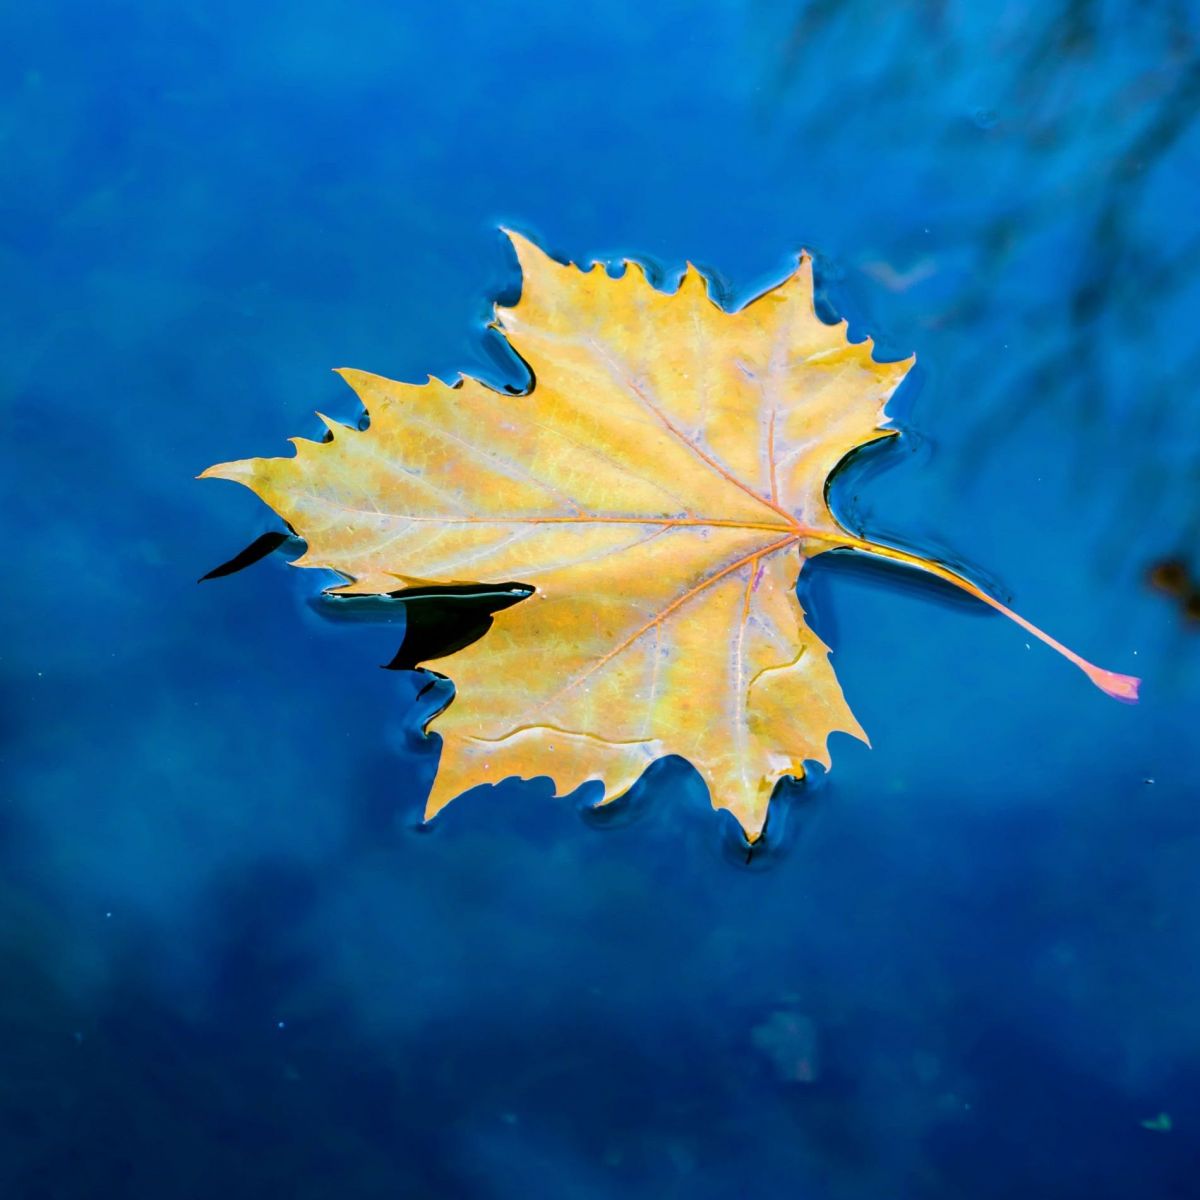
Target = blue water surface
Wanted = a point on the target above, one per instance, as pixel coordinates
(235, 964)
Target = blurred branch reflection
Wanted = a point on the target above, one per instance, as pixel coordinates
(1056, 160)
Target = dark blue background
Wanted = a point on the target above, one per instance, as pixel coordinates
(232, 965)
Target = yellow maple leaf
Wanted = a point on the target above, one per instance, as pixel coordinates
(660, 486)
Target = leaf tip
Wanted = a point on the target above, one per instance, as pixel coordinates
(694, 280)
(634, 271)
(526, 248)
(226, 470)
(334, 427)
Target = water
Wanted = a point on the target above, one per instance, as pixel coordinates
(233, 960)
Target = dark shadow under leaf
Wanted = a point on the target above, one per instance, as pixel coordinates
(258, 549)
(438, 621)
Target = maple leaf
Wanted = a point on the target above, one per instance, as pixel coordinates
(660, 485)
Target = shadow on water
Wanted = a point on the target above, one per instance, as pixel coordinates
(438, 621)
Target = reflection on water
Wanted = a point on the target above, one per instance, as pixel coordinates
(1056, 142)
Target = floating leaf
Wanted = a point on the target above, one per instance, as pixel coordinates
(659, 486)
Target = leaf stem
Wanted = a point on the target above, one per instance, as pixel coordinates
(1120, 687)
